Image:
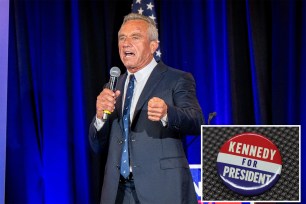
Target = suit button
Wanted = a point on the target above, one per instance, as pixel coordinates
(118, 167)
(120, 142)
(133, 139)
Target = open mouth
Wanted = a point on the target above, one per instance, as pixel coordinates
(128, 54)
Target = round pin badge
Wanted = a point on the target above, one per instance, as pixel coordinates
(249, 164)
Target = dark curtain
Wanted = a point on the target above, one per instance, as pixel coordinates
(247, 57)
(60, 53)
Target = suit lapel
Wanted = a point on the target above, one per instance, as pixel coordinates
(118, 106)
(151, 84)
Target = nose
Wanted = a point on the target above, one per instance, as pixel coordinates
(125, 45)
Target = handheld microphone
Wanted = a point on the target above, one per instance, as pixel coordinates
(114, 74)
(211, 116)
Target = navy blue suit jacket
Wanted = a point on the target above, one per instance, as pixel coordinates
(160, 168)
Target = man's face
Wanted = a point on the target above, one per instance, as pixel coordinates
(135, 48)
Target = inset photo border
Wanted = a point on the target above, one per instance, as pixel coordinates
(285, 137)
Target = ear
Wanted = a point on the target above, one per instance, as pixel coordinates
(153, 46)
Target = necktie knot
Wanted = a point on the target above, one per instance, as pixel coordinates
(132, 78)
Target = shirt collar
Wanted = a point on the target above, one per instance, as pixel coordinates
(144, 72)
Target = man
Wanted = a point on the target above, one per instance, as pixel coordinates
(153, 108)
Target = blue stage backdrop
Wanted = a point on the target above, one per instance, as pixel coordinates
(247, 57)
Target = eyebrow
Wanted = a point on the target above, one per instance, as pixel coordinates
(136, 34)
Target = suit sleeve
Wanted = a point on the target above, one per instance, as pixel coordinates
(98, 140)
(185, 115)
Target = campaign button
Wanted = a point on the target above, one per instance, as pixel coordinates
(249, 164)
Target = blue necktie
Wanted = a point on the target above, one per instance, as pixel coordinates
(125, 164)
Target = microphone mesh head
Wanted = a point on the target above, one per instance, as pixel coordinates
(115, 72)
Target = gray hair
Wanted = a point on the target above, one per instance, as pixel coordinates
(152, 29)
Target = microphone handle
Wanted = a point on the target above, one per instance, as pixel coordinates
(105, 115)
(112, 86)
(112, 83)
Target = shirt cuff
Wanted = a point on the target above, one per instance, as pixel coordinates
(164, 120)
(98, 123)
